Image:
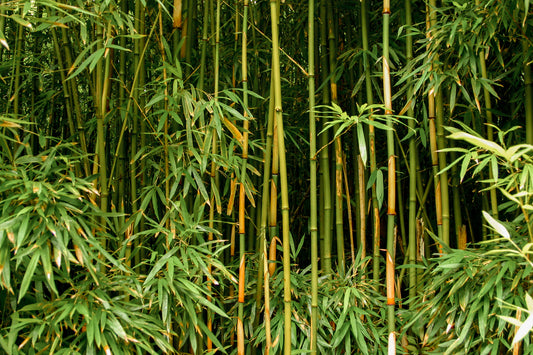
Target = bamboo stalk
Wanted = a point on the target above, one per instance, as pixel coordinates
(276, 78)
(528, 80)
(203, 46)
(214, 149)
(412, 159)
(362, 205)
(440, 145)
(339, 230)
(102, 90)
(263, 270)
(325, 179)
(391, 197)
(313, 178)
(73, 82)
(242, 193)
(371, 144)
(490, 129)
(430, 21)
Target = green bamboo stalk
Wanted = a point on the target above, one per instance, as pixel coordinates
(18, 64)
(276, 78)
(102, 91)
(274, 183)
(65, 85)
(214, 149)
(490, 129)
(325, 179)
(73, 82)
(338, 144)
(371, 143)
(263, 271)
(203, 46)
(268, 337)
(391, 198)
(242, 193)
(412, 159)
(430, 21)
(441, 145)
(361, 206)
(457, 216)
(120, 183)
(312, 176)
(165, 125)
(528, 80)
(192, 14)
(135, 94)
(37, 52)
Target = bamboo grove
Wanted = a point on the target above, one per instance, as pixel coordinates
(266, 177)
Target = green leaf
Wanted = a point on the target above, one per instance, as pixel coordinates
(91, 61)
(20, 21)
(529, 302)
(46, 260)
(362, 144)
(28, 275)
(524, 329)
(380, 190)
(511, 320)
(464, 165)
(116, 327)
(479, 142)
(498, 227)
(3, 41)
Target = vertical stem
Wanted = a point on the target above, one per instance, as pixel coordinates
(391, 198)
(371, 143)
(242, 193)
(18, 64)
(313, 178)
(325, 182)
(263, 271)
(362, 205)
(339, 233)
(203, 49)
(214, 150)
(430, 21)
(276, 74)
(412, 159)
(441, 144)
(490, 130)
(528, 82)
(102, 85)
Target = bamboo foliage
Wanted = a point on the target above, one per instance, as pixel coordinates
(127, 128)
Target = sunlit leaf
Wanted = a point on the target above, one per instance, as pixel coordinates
(498, 227)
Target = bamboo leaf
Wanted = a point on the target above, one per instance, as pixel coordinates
(47, 267)
(517, 323)
(28, 275)
(479, 142)
(116, 327)
(91, 61)
(524, 329)
(498, 227)
(362, 144)
(3, 41)
(18, 19)
(464, 165)
(380, 190)
(529, 302)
